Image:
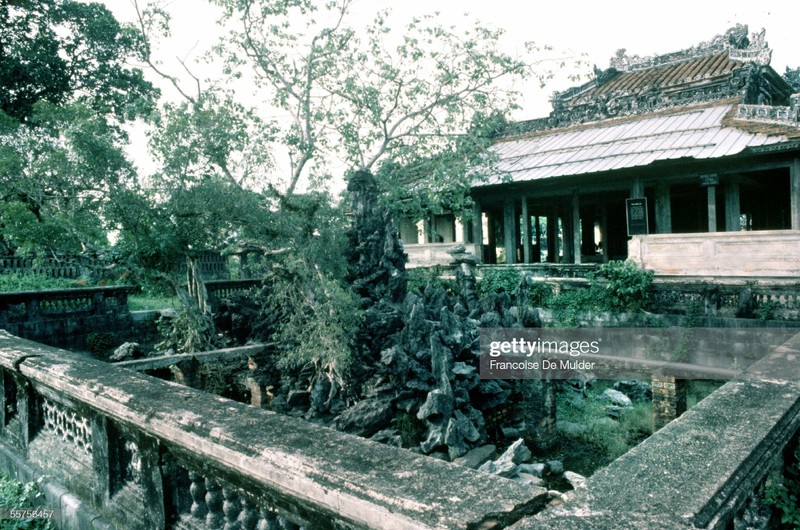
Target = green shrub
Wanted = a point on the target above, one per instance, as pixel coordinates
(628, 286)
(602, 440)
(14, 494)
(421, 278)
(569, 304)
(499, 280)
(768, 310)
(539, 294)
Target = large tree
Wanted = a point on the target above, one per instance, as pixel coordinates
(65, 51)
(418, 97)
(65, 91)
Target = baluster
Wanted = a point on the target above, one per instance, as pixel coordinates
(214, 517)
(231, 507)
(286, 524)
(198, 492)
(268, 520)
(249, 516)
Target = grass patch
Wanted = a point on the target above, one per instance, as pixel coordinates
(598, 439)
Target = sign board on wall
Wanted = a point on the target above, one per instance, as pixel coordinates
(636, 214)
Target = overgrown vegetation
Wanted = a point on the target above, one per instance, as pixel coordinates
(598, 439)
(423, 278)
(14, 494)
(499, 280)
(15, 282)
(617, 286)
(782, 491)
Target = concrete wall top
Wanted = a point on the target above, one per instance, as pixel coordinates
(337, 476)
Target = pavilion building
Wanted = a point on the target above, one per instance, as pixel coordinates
(687, 163)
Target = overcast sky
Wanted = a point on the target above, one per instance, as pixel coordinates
(594, 28)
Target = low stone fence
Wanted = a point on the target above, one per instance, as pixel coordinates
(54, 268)
(548, 270)
(757, 255)
(433, 254)
(728, 299)
(142, 453)
(65, 317)
(702, 470)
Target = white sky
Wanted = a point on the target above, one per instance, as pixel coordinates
(594, 28)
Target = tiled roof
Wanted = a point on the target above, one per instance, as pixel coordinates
(714, 66)
(701, 132)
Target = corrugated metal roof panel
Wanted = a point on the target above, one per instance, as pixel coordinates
(630, 143)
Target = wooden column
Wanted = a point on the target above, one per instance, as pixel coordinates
(552, 235)
(733, 209)
(663, 209)
(509, 232)
(576, 227)
(526, 231)
(794, 193)
(712, 208)
(710, 182)
(637, 188)
(567, 234)
(604, 230)
(477, 230)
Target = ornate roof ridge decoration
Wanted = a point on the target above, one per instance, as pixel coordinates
(734, 65)
(735, 41)
(772, 114)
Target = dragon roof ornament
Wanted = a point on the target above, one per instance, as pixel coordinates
(740, 47)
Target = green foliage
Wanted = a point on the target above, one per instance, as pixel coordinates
(33, 282)
(416, 106)
(569, 304)
(14, 494)
(423, 278)
(628, 287)
(499, 280)
(783, 492)
(99, 344)
(143, 302)
(411, 429)
(64, 51)
(602, 439)
(308, 316)
(59, 172)
(768, 310)
(539, 294)
(188, 331)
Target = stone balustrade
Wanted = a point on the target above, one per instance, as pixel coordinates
(226, 288)
(142, 453)
(66, 268)
(548, 270)
(702, 469)
(65, 317)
